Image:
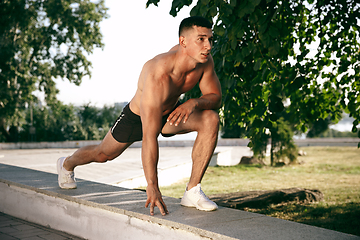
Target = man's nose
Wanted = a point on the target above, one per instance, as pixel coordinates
(208, 44)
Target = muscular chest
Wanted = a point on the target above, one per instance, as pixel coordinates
(186, 82)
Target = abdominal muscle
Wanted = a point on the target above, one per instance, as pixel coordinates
(167, 107)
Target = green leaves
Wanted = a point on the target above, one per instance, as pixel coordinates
(177, 5)
(291, 60)
(274, 49)
(276, 104)
(219, 30)
(258, 63)
(248, 7)
(32, 51)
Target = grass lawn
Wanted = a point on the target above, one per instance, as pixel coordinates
(335, 171)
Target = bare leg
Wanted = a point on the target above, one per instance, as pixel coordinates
(108, 149)
(206, 123)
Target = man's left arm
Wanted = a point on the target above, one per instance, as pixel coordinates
(210, 99)
(210, 89)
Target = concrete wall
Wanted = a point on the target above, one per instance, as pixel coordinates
(81, 218)
(338, 142)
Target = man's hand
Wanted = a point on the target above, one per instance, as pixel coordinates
(182, 112)
(154, 198)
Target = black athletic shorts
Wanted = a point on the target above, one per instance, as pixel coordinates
(128, 128)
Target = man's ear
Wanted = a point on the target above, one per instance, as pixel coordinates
(182, 41)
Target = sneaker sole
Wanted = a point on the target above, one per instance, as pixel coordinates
(197, 207)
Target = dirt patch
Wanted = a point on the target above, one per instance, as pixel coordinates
(261, 199)
(251, 160)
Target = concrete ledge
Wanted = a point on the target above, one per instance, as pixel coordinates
(85, 218)
(166, 176)
(99, 211)
(229, 155)
(338, 142)
(93, 211)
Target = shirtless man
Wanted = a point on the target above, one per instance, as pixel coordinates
(155, 109)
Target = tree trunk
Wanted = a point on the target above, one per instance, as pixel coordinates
(272, 163)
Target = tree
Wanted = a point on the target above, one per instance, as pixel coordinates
(268, 74)
(41, 41)
(56, 123)
(61, 122)
(96, 122)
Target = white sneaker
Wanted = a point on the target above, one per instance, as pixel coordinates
(66, 178)
(195, 197)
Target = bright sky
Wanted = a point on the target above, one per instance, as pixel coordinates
(132, 35)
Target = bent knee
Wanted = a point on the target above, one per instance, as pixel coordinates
(211, 118)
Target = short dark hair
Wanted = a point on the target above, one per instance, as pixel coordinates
(193, 21)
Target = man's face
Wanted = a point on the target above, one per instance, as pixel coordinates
(198, 43)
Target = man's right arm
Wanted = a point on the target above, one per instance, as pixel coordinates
(151, 114)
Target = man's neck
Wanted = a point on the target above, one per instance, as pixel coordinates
(184, 63)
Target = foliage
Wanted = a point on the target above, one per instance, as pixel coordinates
(232, 131)
(96, 122)
(321, 129)
(282, 145)
(318, 127)
(61, 122)
(56, 123)
(41, 41)
(267, 71)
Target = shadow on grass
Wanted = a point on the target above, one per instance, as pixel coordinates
(243, 166)
(342, 217)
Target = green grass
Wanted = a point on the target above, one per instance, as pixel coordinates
(335, 171)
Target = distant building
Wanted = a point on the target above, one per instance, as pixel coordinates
(120, 104)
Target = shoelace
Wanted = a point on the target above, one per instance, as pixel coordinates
(202, 194)
(69, 177)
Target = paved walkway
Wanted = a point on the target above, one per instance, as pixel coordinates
(124, 171)
(120, 171)
(12, 228)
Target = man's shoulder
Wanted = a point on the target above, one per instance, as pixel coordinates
(164, 57)
(161, 62)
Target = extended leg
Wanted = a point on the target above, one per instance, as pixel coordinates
(108, 149)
